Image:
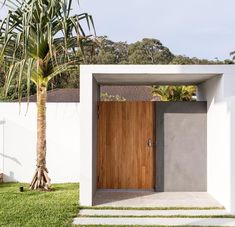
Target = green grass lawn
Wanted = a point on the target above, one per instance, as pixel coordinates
(29, 208)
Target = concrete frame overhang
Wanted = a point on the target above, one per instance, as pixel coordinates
(155, 74)
(215, 85)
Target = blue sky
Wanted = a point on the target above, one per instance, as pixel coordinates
(201, 28)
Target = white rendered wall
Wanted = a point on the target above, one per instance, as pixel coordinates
(89, 95)
(219, 93)
(232, 160)
(18, 141)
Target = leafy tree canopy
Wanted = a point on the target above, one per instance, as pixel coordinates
(149, 51)
(146, 51)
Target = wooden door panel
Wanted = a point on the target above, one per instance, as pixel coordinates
(124, 160)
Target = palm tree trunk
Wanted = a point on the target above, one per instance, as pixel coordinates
(41, 179)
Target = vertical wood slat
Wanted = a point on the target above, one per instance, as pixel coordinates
(124, 159)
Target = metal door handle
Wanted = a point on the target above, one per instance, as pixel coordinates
(149, 143)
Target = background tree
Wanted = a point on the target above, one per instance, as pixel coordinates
(181, 60)
(149, 51)
(39, 40)
(109, 52)
(184, 60)
(232, 54)
(106, 51)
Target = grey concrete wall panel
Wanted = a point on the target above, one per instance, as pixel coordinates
(181, 146)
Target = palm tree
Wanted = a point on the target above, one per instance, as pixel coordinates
(174, 93)
(39, 40)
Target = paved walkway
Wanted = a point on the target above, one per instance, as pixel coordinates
(156, 221)
(154, 216)
(154, 199)
(146, 217)
(113, 213)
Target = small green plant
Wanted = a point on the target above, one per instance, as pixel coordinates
(107, 97)
(175, 93)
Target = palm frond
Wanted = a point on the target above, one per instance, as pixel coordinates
(40, 40)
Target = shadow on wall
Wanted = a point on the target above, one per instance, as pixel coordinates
(9, 178)
(11, 158)
(14, 159)
(210, 91)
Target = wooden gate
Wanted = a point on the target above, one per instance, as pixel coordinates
(126, 145)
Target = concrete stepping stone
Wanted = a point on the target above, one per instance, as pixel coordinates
(113, 213)
(156, 221)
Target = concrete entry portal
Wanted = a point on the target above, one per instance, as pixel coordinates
(215, 86)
